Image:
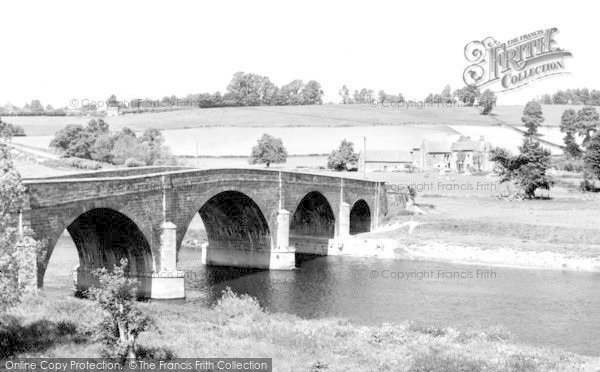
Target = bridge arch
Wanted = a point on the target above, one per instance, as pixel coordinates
(234, 220)
(360, 217)
(237, 228)
(102, 237)
(313, 216)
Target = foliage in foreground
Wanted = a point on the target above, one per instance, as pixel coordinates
(237, 327)
(15, 248)
(122, 322)
(591, 157)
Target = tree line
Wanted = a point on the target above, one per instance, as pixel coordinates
(96, 142)
(244, 89)
(33, 108)
(467, 96)
(7, 130)
(528, 168)
(572, 97)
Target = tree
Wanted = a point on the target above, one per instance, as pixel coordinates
(97, 127)
(342, 157)
(345, 94)
(312, 93)
(128, 147)
(7, 130)
(36, 106)
(560, 98)
(568, 123)
(546, 99)
(112, 101)
(291, 94)
(158, 153)
(532, 117)
(268, 150)
(591, 157)
(527, 169)
(14, 247)
(73, 140)
(251, 89)
(122, 322)
(488, 101)
(49, 108)
(102, 148)
(467, 95)
(446, 95)
(587, 123)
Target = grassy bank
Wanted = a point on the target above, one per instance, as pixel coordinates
(238, 327)
(469, 211)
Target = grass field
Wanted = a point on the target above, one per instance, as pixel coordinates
(295, 116)
(512, 113)
(55, 326)
(466, 211)
(269, 116)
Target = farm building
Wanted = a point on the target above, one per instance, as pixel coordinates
(471, 155)
(386, 161)
(432, 155)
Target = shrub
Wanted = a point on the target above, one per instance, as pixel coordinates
(122, 322)
(587, 186)
(568, 164)
(434, 360)
(102, 149)
(235, 306)
(79, 163)
(127, 147)
(132, 163)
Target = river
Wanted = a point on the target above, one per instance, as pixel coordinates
(541, 307)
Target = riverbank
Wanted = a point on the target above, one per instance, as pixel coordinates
(466, 219)
(238, 327)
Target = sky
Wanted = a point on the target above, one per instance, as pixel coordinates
(56, 51)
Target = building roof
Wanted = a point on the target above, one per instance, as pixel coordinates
(467, 144)
(388, 156)
(437, 146)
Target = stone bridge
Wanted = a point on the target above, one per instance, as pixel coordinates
(253, 218)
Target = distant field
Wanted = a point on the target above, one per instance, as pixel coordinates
(270, 116)
(512, 114)
(233, 131)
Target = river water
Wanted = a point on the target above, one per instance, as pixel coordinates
(542, 307)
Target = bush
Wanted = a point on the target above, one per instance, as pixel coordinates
(122, 322)
(133, 163)
(587, 186)
(79, 163)
(568, 164)
(235, 306)
(438, 360)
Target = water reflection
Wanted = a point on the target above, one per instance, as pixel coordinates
(541, 307)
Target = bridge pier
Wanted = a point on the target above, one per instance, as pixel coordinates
(283, 257)
(278, 255)
(344, 220)
(168, 282)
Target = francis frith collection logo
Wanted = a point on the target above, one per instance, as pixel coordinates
(514, 63)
